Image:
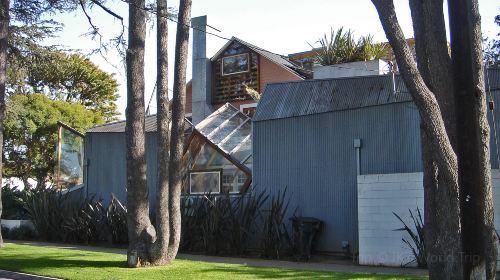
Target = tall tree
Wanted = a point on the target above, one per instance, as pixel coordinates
(160, 252)
(149, 245)
(140, 230)
(177, 130)
(4, 34)
(448, 91)
(473, 150)
(62, 76)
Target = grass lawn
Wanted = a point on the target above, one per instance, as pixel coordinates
(76, 264)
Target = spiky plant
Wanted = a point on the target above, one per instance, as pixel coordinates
(342, 47)
(416, 243)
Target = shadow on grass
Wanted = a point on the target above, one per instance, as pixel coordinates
(30, 262)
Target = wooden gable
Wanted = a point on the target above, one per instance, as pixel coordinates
(230, 87)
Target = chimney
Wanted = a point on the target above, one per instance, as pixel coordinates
(201, 81)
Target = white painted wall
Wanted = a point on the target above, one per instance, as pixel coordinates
(380, 195)
(10, 224)
(351, 69)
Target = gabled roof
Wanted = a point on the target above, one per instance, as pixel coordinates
(278, 59)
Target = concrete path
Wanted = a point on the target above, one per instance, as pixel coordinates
(10, 275)
(318, 266)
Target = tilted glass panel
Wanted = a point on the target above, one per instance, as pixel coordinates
(215, 120)
(209, 158)
(69, 170)
(226, 129)
(243, 150)
(237, 137)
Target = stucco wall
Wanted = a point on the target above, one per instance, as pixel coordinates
(380, 195)
(271, 72)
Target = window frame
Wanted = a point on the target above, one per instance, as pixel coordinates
(240, 54)
(219, 173)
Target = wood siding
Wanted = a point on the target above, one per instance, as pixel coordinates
(229, 88)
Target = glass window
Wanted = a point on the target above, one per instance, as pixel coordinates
(235, 64)
(204, 182)
(69, 169)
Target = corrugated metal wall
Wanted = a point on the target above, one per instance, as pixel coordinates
(106, 170)
(315, 159)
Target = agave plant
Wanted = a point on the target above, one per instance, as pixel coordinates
(416, 243)
(342, 47)
(274, 234)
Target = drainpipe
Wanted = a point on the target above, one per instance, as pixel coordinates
(357, 146)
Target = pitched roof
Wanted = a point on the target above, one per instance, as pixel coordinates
(278, 59)
(119, 126)
(300, 98)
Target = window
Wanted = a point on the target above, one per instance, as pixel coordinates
(241, 180)
(235, 64)
(204, 182)
(227, 183)
(248, 109)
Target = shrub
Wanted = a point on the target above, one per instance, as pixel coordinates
(12, 204)
(21, 233)
(275, 238)
(416, 243)
(5, 232)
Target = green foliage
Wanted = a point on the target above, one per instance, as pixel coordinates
(492, 49)
(12, 204)
(417, 242)
(342, 47)
(34, 68)
(275, 237)
(60, 217)
(221, 224)
(230, 225)
(31, 133)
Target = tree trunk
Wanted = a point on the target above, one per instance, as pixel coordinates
(473, 152)
(445, 255)
(4, 32)
(177, 133)
(160, 248)
(434, 64)
(140, 231)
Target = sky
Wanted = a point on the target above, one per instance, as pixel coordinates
(282, 27)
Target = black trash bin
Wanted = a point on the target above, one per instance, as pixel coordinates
(305, 230)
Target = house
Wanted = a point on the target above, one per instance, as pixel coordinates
(349, 154)
(224, 77)
(218, 156)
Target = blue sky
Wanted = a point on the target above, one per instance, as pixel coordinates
(279, 26)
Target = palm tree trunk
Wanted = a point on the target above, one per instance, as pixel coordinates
(177, 132)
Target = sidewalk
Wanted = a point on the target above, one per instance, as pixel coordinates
(10, 275)
(331, 267)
